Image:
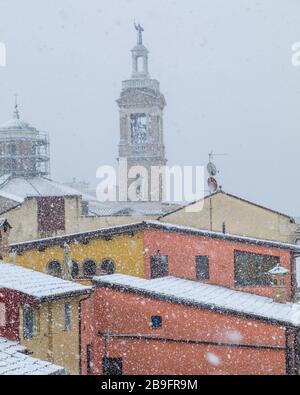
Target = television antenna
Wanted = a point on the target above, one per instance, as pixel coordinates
(212, 181)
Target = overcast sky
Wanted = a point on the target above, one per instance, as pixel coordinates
(224, 67)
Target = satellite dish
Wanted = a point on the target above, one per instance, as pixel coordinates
(211, 168)
(212, 184)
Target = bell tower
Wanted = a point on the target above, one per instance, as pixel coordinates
(141, 106)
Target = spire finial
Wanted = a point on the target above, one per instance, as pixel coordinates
(16, 111)
(140, 31)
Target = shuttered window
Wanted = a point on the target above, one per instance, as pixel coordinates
(159, 266)
(30, 322)
(202, 267)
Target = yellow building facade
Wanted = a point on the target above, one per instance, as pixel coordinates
(43, 314)
(24, 219)
(51, 341)
(88, 251)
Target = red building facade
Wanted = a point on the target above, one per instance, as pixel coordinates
(138, 326)
(11, 302)
(182, 248)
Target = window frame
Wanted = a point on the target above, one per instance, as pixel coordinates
(107, 371)
(160, 323)
(261, 279)
(34, 331)
(89, 359)
(108, 261)
(206, 272)
(51, 272)
(85, 271)
(162, 271)
(75, 264)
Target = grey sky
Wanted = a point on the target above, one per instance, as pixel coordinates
(224, 67)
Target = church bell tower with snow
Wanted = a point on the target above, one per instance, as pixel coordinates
(141, 106)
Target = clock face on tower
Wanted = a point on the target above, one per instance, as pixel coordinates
(138, 126)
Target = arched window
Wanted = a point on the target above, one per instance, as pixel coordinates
(108, 267)
(54, 269)
(74, 269)
(89, 268)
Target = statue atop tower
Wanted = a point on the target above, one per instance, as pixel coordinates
(140, 31)
(141, 106)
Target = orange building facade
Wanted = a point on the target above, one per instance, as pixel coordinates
(179, 320)
(190, 342)
(183, 248)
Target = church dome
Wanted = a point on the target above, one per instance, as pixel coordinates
(24, 150)
(16, 124)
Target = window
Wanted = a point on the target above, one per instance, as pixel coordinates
(51, 214)
(30, 322)
(112, 366)
(156, 322)
(74, 269)
(138, 126)
(252, 269)
(159, 266)
(108, 266)
(89, 363)
(68, 316)
(202, 268)
(90, 268)
(54, 269)
(2, 315)
(140, 64)
(12, 148)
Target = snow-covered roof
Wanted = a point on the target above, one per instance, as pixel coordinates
(15, 124)
(38, 285)
(150, 224)
(212, 297)
(134, 209)
(19, 188)
(14, 361)
(278, 270)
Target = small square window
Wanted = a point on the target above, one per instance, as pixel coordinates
(156, 322)
(112, 366)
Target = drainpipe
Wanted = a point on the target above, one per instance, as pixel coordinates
(80, 331)
(50, 333)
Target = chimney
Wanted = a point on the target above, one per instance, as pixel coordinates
(224, 227)
(278, 277)
(4, 238)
